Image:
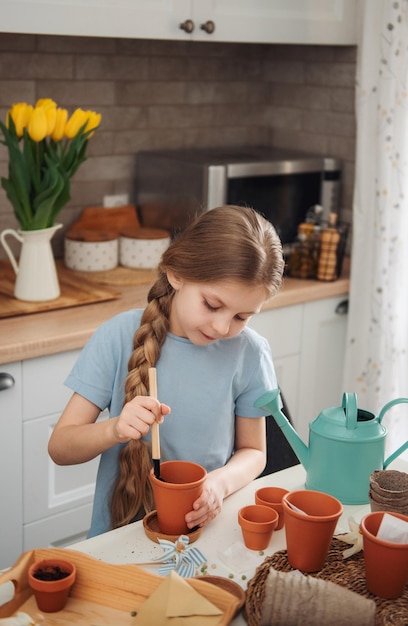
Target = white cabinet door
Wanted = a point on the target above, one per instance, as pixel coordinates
(140, 19)
(277, 21)
(57, 499)
(49, 488)
(11, 516)
(283, 329)
(322, 359)
(287, 372)
(43, 384)
(58, 531)
(265, 21)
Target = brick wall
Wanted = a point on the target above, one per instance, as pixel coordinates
(163, 94)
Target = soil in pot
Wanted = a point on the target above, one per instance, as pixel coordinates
(51, 581)
(50, 573)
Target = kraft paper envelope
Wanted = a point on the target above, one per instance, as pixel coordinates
(175, 602)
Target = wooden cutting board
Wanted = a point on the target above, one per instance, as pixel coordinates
(122, 276)
(76, 290)
(103, 594)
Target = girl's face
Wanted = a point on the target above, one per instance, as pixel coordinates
(204, 312)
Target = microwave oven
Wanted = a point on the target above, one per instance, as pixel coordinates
(173, 186)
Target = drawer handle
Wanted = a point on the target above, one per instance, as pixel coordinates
(342, 307)
(187, 26)
(208, 27)
(6, 381)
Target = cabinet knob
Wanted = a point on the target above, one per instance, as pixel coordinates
(208, 26)
(187, 26)
(6, 381)
(342, 307)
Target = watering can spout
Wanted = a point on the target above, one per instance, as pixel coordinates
(271, 403)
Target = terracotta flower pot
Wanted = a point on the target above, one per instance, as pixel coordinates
(174, 495)
(308, 536)
(386, 562)
(51, 580)
(257, 525)
(272, 496)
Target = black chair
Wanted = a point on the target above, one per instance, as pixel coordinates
(279, 453)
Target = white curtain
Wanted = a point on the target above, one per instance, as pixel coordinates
(376, 366)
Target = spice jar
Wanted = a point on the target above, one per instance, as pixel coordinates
(329, 243)
(305, 254)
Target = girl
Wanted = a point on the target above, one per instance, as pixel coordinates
(210, 368)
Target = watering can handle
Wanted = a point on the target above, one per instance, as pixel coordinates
(349, 404)
(389, 405)
(404, 446)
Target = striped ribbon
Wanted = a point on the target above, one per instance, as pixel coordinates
(179, 557)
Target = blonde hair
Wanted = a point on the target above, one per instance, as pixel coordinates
(228, 242)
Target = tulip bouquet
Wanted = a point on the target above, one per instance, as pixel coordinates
(45, 149)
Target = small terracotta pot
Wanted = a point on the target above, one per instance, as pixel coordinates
(51, 593)
(174, 496)
(308, 536)
(257, 525)
(386, 562)
(272, 496)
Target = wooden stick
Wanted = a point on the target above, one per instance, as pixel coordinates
(155, 426)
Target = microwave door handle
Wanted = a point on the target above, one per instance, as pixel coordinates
(217, 187)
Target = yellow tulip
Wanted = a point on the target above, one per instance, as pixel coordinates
(45, 102)
(20, 114)
(77, 119)
(60, 122)
(37, 124)
(50, 109)
(94, 119)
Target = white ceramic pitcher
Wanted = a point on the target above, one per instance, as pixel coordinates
(36, 272)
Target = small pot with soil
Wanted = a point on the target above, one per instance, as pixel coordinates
(51, 581)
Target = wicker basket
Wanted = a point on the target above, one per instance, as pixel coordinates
(348, 573)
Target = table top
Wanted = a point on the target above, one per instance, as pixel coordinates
(220, 542)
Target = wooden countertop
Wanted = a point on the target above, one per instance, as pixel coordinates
(39, 334)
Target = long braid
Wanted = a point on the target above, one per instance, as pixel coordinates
(132, 494)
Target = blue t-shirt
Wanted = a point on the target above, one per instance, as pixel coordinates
(205, 386)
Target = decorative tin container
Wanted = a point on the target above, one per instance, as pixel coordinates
(142, 247)
(91, 250)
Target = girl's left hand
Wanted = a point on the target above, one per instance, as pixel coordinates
(207, 506)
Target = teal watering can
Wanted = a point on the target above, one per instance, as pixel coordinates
(346, 445)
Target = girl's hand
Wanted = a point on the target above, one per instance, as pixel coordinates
(137, 416)
(208, 505)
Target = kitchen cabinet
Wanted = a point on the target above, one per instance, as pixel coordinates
(262, 21)
(321, 359)
(57, 499)
(308, 348)
(11, 464)
(283, 329)
(47, 505)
